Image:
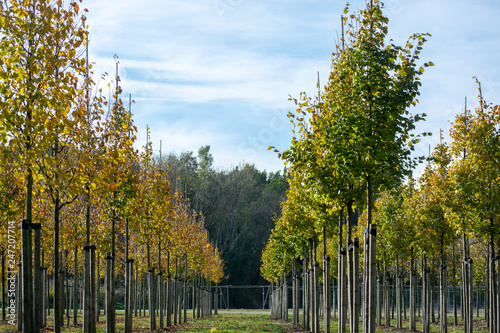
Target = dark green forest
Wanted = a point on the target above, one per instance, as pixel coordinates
(239, 205)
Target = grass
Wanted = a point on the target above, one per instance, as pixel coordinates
(239, 321)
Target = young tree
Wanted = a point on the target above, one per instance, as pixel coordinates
(38, 68)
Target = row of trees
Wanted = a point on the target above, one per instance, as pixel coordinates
(440, 227)
(351, 142)
(419, 226)
(67, 153)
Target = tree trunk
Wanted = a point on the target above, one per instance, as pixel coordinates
(110, 297)
(4, 304)
(61, 291)
(57, 297)
(493, 287)
(27, 287)
(151, 298)
(455, 316)
(45, 301)
(68, 293)
(97, 312)
(431, 295)
(315, 290)
(326, 286)
(305, 292)
(216, 299)
(37, 278)
(487, 290)
(399, 319)
(87, 301)
(342, 285)
(294, 294)
(370, 259)
(425, 297)
(179, 294)
(387, 316)
(75, 287)
(184, 294)
(168, 293)
(129, 273)
(137, 285)
(160, 298)
(379, 298)
(477, 301)
(443, 287)
(19, 296)
(356, 289)
(413, 296)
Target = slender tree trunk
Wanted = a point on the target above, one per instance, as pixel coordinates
(61, 290)
(294, 294)
(137, 289)
(97, 289)
(75, 287)
(45, 300)
(342, 291)
(179, 294)
(470, 278)
(387, 316)
(160, 298)
(477, 301)
(151, 298)
(175, 292)
(399, 319)
(87, 301)
(355, 286)
(392, 294)
(27, 294)
(110, 284)
(315, 289)
(379, 298)
(493, 289)
(455, 316)
(169, 292)
(326, 286)
(57, 297)
(129, 311)
(217, 301)
(413, 295)
(37, 278)
(68, 293)
(3, 286)
(487, 290)
(404, 300)
(370, 274)
(425, 296)
(431, 295)
(184, 295)
(443, 293)
(19, 296)
(305, 292)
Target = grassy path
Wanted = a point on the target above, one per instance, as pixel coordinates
(228, 322)
(236, 321)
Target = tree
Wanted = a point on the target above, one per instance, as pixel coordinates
(475, 148)
(39, 68)
(361, 128)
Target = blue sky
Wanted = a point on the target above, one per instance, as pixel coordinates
(219, 72)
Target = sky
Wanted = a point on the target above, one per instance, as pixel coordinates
(220, 72)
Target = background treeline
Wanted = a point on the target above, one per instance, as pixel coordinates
(239, 206)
